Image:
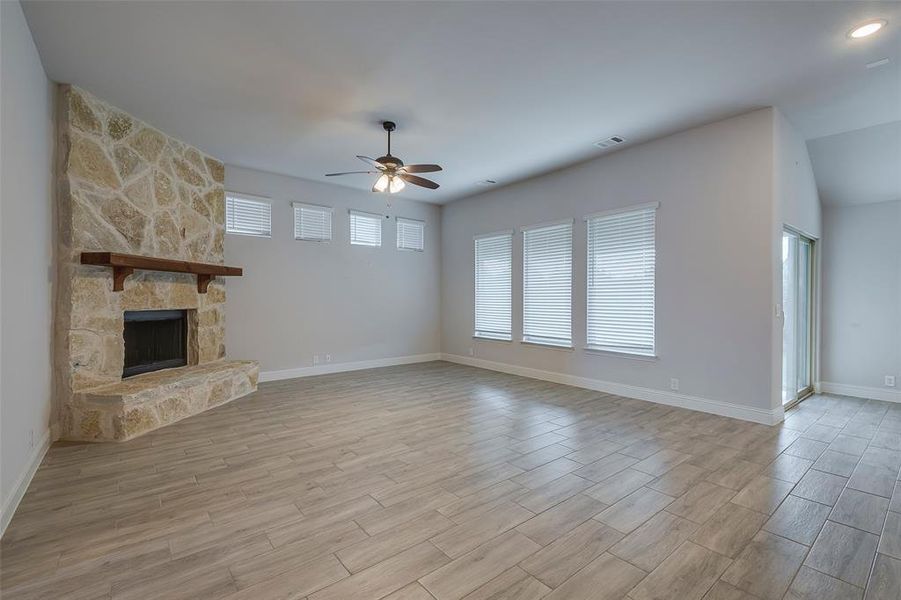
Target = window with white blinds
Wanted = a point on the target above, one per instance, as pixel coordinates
(365, 228)
(248, 215)
(493, 286)
(410, 234)
(621, 266)
(547, 284)
(312, 222)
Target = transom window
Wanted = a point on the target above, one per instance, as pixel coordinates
(410, 234)
(312, 222)
(248, 215)
(365, 228)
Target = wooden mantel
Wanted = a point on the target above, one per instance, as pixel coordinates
(124, 265)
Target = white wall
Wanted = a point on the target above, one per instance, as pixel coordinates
(297, 298)
(26, 153)
(861, 257)
(796, 205)
(795, 186)
(715, 275)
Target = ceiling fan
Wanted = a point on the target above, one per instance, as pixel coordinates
(392, 171)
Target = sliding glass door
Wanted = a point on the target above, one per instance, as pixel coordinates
(797, 307)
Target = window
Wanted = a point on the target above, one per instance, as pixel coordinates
(493, 286)
(248, 215)
(621, 265)
(410, 234)
(312, 222)
(547, 284)
(365, 228)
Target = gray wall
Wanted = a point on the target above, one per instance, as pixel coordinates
(25, 254)
(861, 257)
(715, 243)
(356, 303)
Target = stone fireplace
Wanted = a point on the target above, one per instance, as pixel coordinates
(130, 361)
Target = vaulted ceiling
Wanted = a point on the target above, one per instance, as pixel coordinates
(858, 167)
(490, 90)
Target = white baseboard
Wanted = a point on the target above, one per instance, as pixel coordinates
(716, 407)
(859, 391)
(347, 366)
(19, 488)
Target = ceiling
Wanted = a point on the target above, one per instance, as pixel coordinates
(490, 90)
(860, 166)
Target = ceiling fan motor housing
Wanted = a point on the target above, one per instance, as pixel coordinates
(392, 162)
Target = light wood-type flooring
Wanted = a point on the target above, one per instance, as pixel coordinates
(437, 481)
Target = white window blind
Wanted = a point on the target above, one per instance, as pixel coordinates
(547, 284)
(410, 234)
(493, 286)
(365, 228)
(312, 222)
(248, 215)
(621, 265)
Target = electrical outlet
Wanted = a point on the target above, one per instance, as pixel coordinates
(890, 381)
(315, 359)
(674, 384)
(472, 352)
(328, 358)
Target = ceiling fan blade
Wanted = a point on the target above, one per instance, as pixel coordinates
(349, 173)
(420, 181)
(372, 162)
(422, 168)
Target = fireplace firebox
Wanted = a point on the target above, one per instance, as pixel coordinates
(154, 340)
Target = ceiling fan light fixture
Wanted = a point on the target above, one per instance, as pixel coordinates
(396, 185)
(382, 183)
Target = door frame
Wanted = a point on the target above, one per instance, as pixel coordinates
(813, 316)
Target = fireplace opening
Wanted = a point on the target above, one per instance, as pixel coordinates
(154, 340)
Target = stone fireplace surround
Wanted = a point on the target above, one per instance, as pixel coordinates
(123, 186)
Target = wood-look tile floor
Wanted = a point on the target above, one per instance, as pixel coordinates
(448, 482)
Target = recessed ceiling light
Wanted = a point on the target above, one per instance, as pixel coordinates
(487, 182)
(868, 28)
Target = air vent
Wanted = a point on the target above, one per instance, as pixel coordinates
(878, 63)
(613, 140)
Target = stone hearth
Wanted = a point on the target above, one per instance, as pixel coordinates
(143, 403)
(124, 186)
